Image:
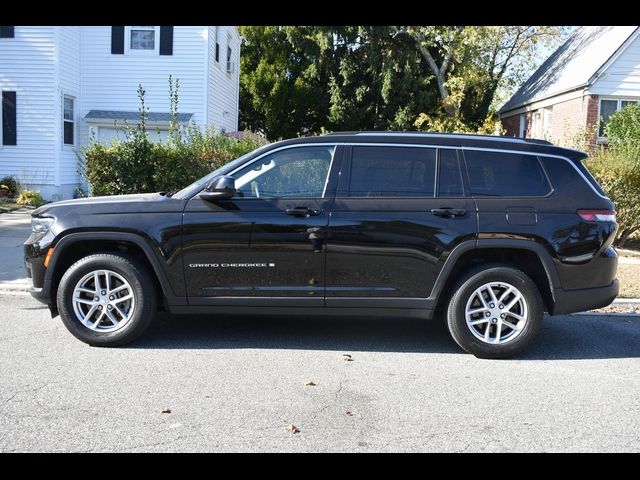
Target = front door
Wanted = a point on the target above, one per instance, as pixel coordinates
(269, 239)
(398, 212)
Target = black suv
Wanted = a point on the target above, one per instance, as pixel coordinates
(492, 231)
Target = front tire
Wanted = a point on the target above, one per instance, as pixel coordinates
(495, 312)
(107, 299)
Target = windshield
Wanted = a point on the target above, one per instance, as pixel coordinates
(199, 184)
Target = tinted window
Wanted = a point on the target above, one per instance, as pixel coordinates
(392, 172)
(449, 180)
(294, 172)
(498, 174)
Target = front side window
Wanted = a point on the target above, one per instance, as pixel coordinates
(392, 172)
(143, 38)
(501, 174)
(292, 173)
(68, 121)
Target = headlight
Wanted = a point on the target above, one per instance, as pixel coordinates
(41, 224)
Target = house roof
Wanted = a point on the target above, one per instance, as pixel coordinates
(573, 65)
(96, 116)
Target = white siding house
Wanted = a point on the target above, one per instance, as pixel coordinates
(74, 82)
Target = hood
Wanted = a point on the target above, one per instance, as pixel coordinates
(133, 203)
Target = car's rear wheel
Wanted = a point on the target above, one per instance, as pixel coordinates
(107, 299)
(495, 312)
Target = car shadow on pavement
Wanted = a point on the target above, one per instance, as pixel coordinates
(562, 338)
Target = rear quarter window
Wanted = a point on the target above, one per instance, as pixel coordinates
(502, 174)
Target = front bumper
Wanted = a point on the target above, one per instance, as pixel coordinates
(582, 299)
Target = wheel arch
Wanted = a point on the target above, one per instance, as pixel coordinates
(526, 255)
(74, 246)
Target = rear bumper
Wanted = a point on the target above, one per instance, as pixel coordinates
(580, 300)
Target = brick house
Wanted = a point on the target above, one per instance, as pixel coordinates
(595, 73)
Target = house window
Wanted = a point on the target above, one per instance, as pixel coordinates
(143, 38)
(68, 121)
(609, 106)
(218, 44)
(523, 125)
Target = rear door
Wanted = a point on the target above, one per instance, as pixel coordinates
(398, 212)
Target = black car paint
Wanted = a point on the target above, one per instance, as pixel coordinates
(360, 255)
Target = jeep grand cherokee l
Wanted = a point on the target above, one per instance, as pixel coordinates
(490, 231)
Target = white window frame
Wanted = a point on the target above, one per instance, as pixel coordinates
(547, 122)
(522, 128)
(74, 99)
(618, 108)
(536, 122)
(217, 41)
(135, 51)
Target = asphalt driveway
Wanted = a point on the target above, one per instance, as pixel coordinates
(237, 384)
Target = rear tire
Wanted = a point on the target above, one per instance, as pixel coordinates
(496, 311)
(107, 299)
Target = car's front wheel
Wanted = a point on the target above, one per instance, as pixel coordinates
(107, 299)
(495, 312)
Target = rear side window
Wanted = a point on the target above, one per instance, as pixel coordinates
(585, 171)
(501, 174)
(392, 172)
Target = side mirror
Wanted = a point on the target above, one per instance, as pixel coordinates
(220, 188)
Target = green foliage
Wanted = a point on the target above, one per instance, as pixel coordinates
(30, 198)
(138, 165)
(619, 177)
(623, 130)
(13, 186)
(302, 80)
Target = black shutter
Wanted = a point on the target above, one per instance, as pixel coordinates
(7, 32)
(166, 40)
(117, 40)
(9, 136)
(217, 52)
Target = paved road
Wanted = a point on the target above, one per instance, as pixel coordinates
(237, 384)
(14, 230)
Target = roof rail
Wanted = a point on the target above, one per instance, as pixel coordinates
(445, 135)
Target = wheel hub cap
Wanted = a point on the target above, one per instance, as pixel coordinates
(103, 301)
(496, 313)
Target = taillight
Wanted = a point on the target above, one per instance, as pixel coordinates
(598, 215)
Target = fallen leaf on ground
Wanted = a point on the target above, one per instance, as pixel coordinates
(348, 355)
(293, 429)
(165, 410)
(348, 414)
(310, 383)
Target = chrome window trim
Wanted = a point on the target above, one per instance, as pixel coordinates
(420, 145)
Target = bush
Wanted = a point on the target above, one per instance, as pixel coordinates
(13, 185)
(138, 165)
(619, 177)
(30, 198)
(623, 131)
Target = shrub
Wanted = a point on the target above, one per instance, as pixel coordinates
(13, 186)
(30, 197)
(619, 177)
(623, 131)
(136, 164)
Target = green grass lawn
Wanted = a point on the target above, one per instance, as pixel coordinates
(7, 207)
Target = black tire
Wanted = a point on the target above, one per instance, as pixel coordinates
(142, 286)
(463, 290)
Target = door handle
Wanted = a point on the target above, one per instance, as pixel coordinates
(303, 211)
(448, 212)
